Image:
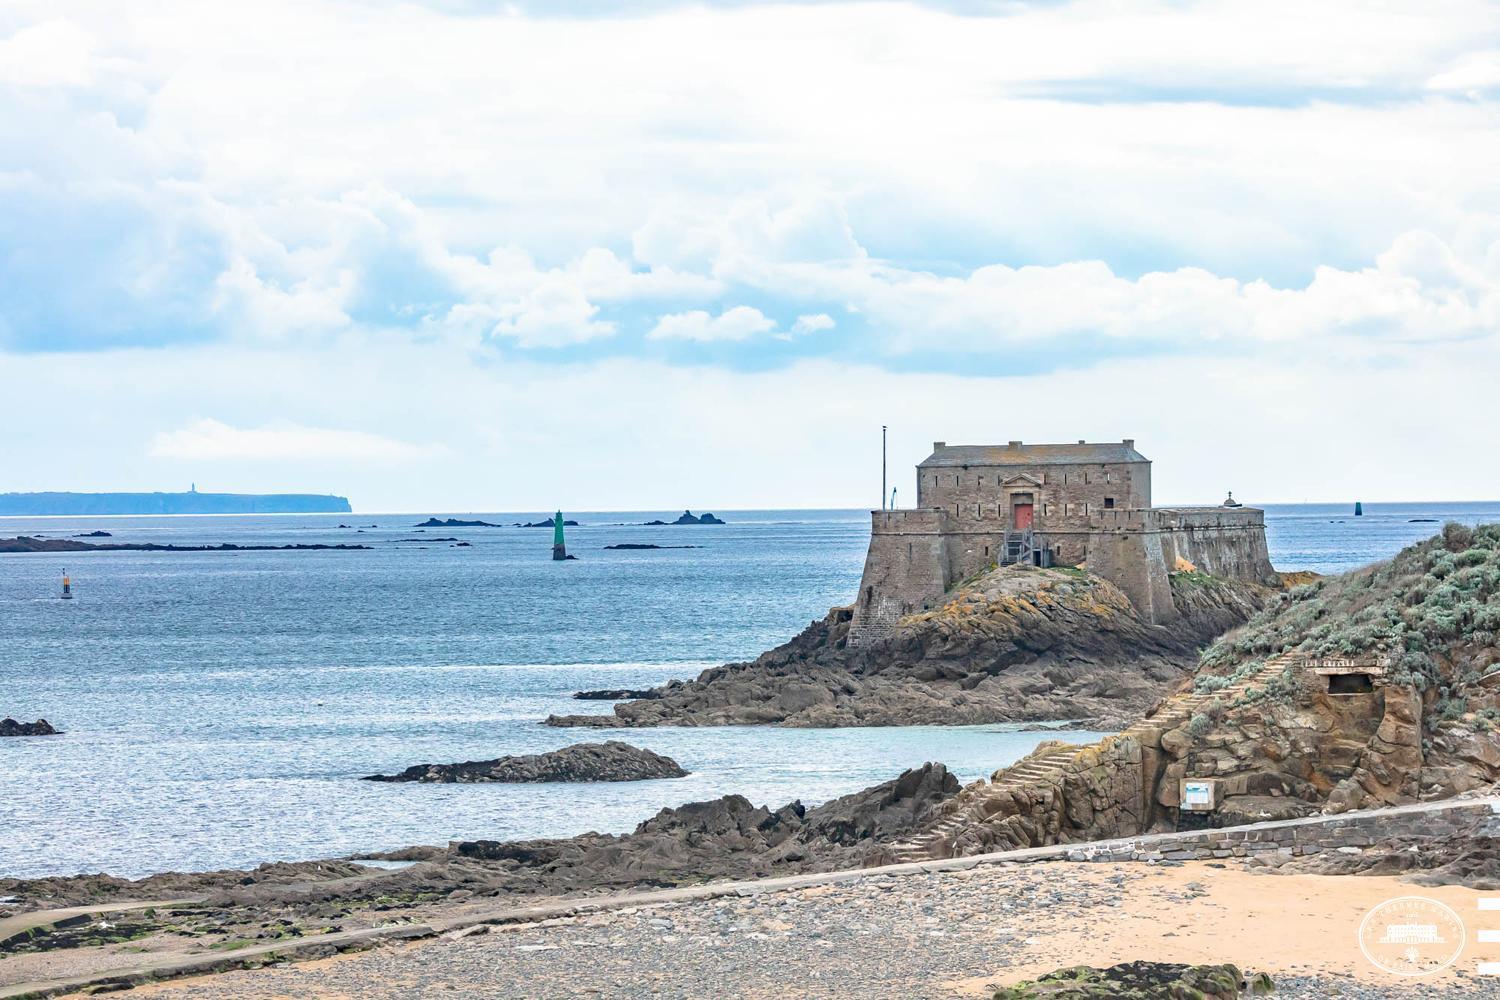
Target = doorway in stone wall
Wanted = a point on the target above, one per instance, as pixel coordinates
(1021, 510)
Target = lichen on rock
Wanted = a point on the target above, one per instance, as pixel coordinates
(1141, 981)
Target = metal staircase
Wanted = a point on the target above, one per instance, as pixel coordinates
(1020, 547)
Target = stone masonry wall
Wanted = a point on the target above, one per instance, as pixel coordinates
(906, 570)
(977, 500)
(1223, 542)
(1279, 842)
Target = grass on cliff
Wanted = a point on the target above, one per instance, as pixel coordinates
(1438, 595)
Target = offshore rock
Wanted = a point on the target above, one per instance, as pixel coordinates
(1141, 981)
(615, 694)
(41, 727)
(27, 543)
(610, 761)
(1016, 645)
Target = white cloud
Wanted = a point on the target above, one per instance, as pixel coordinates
(553, 314)
(1262, 426)
(49, 54)
(738, 323)
(1059, 188)
(1475, 75)
(813, 323)
(210, 440)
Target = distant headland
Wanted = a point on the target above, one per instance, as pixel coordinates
(191, 502)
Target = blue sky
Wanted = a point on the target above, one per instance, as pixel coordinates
(510, 255)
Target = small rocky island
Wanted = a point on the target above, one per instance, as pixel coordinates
(688, 517)
(642, 546)
(608, 761)
(27, 543)
(41, 727)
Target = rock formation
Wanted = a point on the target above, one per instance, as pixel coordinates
(722, 838)
(1379, 687)
(27, 543)
(616, 694)
(1017, 644)
(688, 517)
(1141, 981)
(725, 838)
(41, 727)
(609, 761)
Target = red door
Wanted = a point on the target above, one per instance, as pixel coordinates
(1022, 514)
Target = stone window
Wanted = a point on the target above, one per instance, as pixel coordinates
(1109, 503)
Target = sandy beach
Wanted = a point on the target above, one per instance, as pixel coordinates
(953, 934)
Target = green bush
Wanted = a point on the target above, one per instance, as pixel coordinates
(1431, 595)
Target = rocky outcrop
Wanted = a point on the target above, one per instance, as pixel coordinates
(687, 517)
(1381, 687)
(453, 522)
(1016, 645)
(1141, 981)
(644, 546)
(41, 727)
(724, 838)
(616, 694)
(26, 543)
(609, 761)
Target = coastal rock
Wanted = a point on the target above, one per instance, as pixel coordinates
(94, 534)
(548, 523)
(610, 761)
(27, 543)
(41, 727)
(724, 838)
(616, 694)
(634, 546)
(453, 522)
(688, 517)
(1016, 645)
(1141, 981)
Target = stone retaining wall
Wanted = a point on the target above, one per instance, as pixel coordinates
(1297, 838)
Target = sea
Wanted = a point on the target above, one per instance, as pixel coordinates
(220, 707)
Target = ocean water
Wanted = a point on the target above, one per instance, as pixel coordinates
(219, 707)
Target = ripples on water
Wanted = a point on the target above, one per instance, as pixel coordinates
(220, 705)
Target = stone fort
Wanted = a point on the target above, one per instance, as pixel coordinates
(1083, 504)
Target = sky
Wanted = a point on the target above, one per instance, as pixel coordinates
(470, 255)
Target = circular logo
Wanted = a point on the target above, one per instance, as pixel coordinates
(1412, 936)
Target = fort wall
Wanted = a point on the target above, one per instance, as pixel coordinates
(916, 555)
(1065, 496)
(906, 570)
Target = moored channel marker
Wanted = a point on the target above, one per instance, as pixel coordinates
(67, 593)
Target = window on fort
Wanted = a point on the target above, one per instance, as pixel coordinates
(1109, 503)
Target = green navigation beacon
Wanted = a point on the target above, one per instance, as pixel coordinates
(559, 550)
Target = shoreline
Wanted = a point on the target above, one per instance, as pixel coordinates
(998, 918)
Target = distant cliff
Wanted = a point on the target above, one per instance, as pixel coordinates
(170, 503)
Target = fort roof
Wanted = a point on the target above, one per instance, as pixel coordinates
(1015, 453)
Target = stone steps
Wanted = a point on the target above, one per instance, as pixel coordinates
(1048, 766)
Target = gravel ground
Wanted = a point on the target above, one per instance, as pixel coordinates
(944, 935)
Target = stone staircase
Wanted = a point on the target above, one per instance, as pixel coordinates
(1182, 707)
(1050, 762)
